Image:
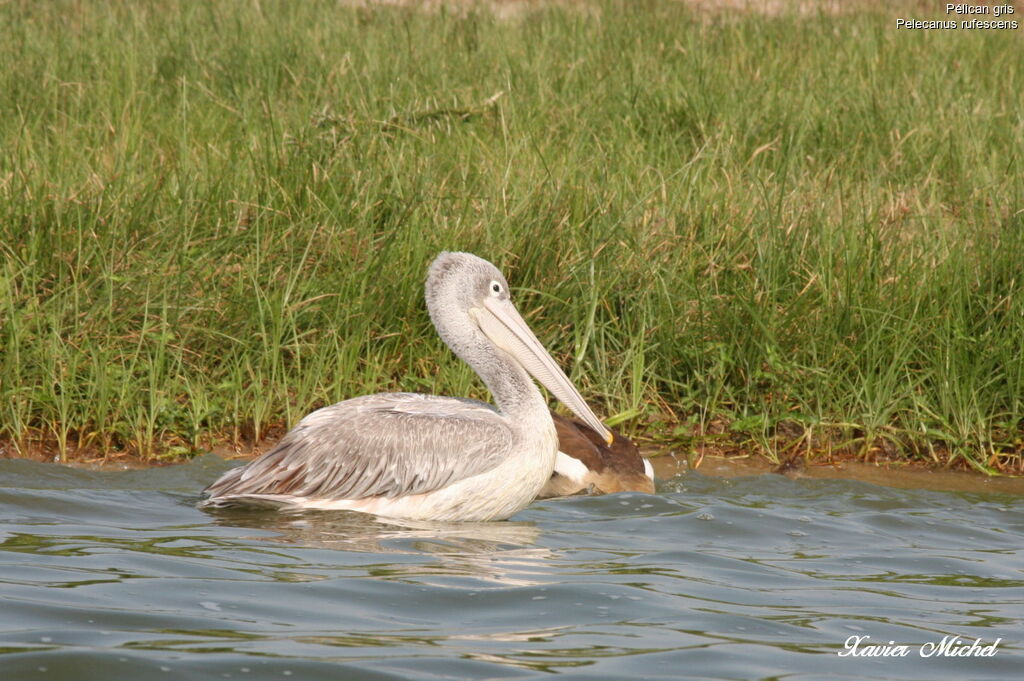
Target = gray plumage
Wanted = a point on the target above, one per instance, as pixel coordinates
(359, 448)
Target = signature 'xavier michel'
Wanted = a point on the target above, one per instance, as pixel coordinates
(426, 457)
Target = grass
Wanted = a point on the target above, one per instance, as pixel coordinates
(790, 233)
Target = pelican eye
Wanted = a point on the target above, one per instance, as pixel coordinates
(495, 287)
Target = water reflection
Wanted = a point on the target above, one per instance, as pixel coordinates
(498, 552)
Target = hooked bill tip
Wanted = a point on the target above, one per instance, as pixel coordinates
(610, 438)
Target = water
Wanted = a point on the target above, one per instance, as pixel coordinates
(115, 575)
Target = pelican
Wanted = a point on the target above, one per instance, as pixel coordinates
(586, 462)
(425, 457)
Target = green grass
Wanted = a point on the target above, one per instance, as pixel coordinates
(215, 217)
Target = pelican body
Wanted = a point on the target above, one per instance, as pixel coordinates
(425, 457)
(587, 463)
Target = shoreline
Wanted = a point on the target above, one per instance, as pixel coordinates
(668, 462)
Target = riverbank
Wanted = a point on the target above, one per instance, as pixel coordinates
(668, 464)
(216, 218)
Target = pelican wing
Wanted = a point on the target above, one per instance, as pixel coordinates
(385, 445)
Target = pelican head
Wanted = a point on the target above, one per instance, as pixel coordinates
(468, 301)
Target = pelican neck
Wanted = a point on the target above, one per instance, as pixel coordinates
(514, 391)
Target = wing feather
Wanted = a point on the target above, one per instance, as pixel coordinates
(385, 445)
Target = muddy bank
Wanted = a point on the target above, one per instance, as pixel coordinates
(668, 465)
(900, 476)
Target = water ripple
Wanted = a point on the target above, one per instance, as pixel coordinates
(117, 575)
